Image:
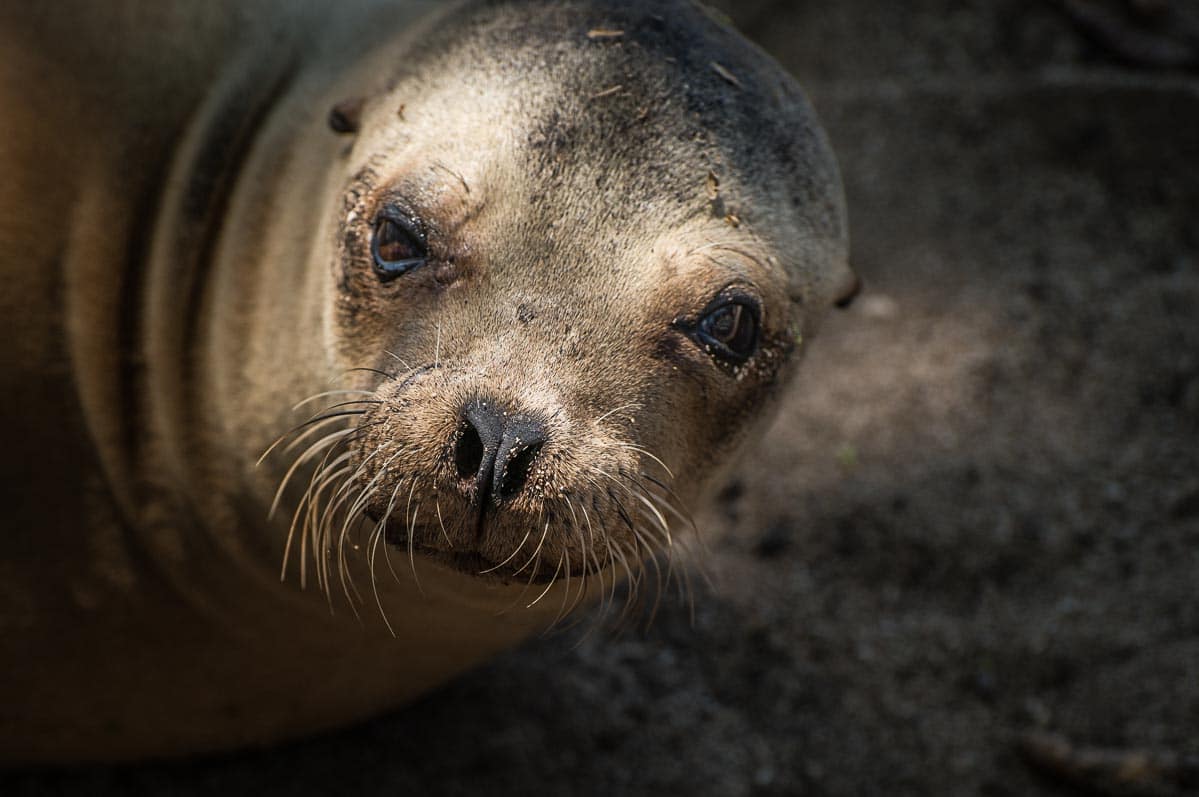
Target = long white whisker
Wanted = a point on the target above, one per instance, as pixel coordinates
(398, 359)
(552, 582)
(614, 410)
(544, 533)
(371, 555)
(440, 522)
(308, 495)
(411, 534)
(326, 393)
(314, 449)
(511, 556)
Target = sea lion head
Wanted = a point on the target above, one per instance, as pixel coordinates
(580, 248)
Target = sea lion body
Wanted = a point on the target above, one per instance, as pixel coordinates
(187, 253)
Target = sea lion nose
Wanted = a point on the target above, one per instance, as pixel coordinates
(496, 451)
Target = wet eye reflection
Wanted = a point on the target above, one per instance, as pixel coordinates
(397, 246)
(731, 330)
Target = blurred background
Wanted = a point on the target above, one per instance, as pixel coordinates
(966, 558)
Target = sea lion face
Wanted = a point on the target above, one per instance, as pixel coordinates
(577, 275)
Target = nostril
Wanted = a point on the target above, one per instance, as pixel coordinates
(495, 451)
(468, 454)
(516, 473)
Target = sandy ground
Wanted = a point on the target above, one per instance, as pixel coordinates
(978, 514)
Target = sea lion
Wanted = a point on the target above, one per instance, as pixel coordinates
(532, 272)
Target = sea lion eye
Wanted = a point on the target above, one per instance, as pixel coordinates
(730, 330)
(397, 245)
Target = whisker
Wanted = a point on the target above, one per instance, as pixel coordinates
(553, 580)
(411, 534)
(330, 442)
(591, 548)
(686, 589)
(440, 522)
(621, 408)
(383, 374)
(316, 396)
(643, 451)
(300, 438)
(353, 515)
(321, 478)
(535, 559)
(566, 586)
(634, 586)
(292, 528)
(544, 533)
(398, 359)
(311, 494)
(313, 428)
(511, 556)
(569, 607)
(318, 520)
(386, 547)
(652, 558)
(656, 514)
(372, 552)
(322, 530)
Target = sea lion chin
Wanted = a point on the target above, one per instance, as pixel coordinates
(500, 293)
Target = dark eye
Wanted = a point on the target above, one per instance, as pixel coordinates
(397, 246)
(730, 330)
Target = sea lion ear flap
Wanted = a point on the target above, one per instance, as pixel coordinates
(849, 289)
(345, 116)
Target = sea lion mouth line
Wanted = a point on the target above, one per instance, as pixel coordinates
(523, 565)
(474, 564)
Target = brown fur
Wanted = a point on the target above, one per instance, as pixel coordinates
(186, 255)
